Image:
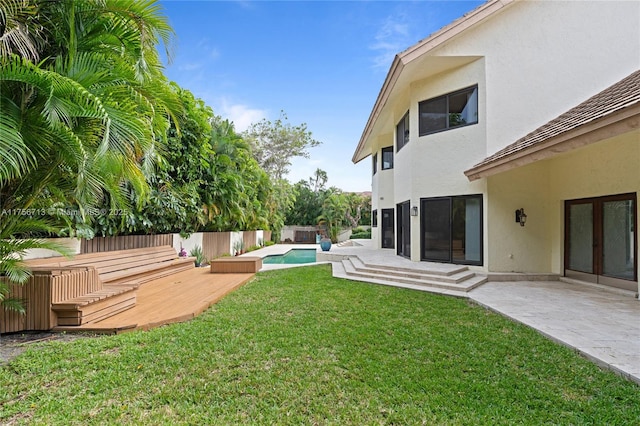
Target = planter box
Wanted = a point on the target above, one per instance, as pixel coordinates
(236, 265)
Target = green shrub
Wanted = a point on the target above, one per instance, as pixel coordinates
(252, 248)
(366, 235)
(197, 252)
(269, 243)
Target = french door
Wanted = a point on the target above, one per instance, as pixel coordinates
(600, 240)
(403, 247)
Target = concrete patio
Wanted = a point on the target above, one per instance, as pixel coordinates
(601, 323)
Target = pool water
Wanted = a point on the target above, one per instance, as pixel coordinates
(293, 256)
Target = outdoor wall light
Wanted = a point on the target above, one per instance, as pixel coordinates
(414, 211)
(521, 217)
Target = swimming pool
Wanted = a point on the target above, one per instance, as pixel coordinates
(293, 256)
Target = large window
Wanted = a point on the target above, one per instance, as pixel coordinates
(452, 110)
(387, 158)
(452, 229)
(402, 132)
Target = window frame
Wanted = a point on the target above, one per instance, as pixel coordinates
(447, 97)
(388, 150)
(450, 200)
(375, 163)
(404, 121)
(374, 218)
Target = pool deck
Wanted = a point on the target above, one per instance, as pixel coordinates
(600, 323)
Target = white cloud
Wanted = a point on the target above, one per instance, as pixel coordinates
(192, 66)
(241, 115)
(392, 37)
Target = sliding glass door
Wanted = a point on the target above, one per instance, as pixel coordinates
(451, 229)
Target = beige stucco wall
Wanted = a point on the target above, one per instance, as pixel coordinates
(532, 62)
(605, 168)
(382, 190)
(433, 165)
(545, 57)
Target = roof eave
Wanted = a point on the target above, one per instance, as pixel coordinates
(620, 122)
(424, 46)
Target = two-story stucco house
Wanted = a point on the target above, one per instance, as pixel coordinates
(510, 140)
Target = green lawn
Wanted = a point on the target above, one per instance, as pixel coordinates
(300, 347)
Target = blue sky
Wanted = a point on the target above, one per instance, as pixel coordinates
(322, 62)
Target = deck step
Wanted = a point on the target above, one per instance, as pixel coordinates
(95, 306)
(460, 281)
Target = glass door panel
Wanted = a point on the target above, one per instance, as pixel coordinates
(466, 229)
(436, 227)
(388, 235)
(618, 238)
(404, 229)
(581, 237)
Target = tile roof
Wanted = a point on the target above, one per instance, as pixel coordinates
(621, 95)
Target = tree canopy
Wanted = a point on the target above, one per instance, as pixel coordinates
(276, 143)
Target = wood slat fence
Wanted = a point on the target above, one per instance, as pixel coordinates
(125, 242)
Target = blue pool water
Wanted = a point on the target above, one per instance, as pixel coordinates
(293, 256)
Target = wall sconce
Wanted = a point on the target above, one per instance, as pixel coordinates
(414, 211)
(521, 217)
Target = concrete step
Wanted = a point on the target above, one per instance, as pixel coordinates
(455, 276)
(389, 277)
(429, 268)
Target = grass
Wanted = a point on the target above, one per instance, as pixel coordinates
(298, 346)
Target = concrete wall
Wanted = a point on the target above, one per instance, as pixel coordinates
(187, 243)
(72, 244)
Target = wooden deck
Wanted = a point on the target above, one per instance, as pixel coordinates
(175, 298)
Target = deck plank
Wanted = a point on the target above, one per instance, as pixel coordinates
(175, 298)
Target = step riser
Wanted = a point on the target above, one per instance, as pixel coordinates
(408, 281)
(418, 276)
(416, 271)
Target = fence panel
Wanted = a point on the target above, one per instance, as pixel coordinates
(125, 242)
(250, 239)
(215, 244)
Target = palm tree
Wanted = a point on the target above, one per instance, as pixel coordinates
(85, 119)
(83, 102)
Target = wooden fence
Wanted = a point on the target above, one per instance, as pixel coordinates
(215, 244)
(125, 242)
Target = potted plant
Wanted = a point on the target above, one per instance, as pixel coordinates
(201, 259)
(325, 244)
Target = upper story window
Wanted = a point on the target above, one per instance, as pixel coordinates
(387, 158)
(449, 111)
(402, 132)
(375, 163)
